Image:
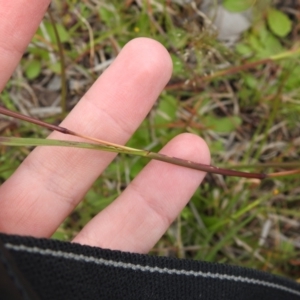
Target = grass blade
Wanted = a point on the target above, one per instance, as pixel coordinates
(111, 147)
(13, 141)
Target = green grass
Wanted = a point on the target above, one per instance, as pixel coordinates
(249, 117)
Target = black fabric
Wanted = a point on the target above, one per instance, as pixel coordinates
(13, 285)
(62, 270)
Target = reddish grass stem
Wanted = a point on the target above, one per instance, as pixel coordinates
(157, 156)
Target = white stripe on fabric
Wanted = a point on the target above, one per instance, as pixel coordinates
(119, 264)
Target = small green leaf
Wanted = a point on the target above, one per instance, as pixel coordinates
(210, 220)
(33, 69)
(178, 37)
(140, 137)
(293, 81)
(62, 32)
(286, 247)
(243, 49)
(271, 45)
(107, 14)
(92, 198)
(178, 66)
(216, 146)
(255, 43)
(166, 110)
(222, 125)
(279, 23)
(56, 67)
(237, 5)
(251, 81)
(186, 214)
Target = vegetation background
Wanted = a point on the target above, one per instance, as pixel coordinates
(243, 100)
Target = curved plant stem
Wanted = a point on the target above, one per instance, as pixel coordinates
(63, 94)
(236, 69)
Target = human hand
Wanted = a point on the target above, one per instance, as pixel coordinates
(52, 181)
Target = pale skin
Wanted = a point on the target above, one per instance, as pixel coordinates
(51, 182)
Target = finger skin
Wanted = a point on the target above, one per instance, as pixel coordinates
(52, 181)
(19, 21)
(143, 212)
